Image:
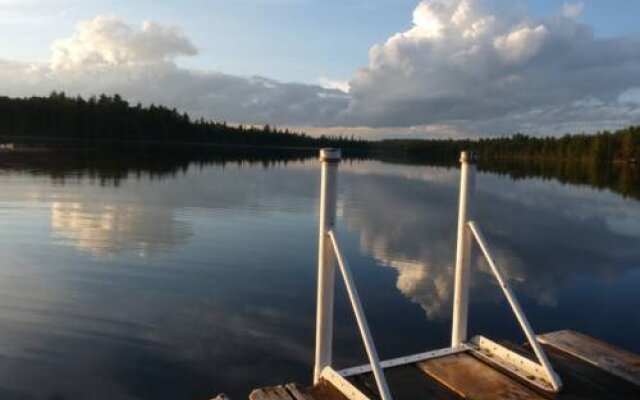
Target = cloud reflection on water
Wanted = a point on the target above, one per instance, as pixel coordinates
(111, 229)
(543, 235)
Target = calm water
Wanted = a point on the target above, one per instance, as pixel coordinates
(184, 285)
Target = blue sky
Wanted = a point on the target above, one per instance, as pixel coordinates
(413, 85)
(290, 40)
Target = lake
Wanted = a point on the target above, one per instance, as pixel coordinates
(186, 282)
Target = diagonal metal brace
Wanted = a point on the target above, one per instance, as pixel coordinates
(551, 376)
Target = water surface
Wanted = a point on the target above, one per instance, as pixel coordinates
(184, 284)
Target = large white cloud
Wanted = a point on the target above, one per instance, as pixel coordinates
(106, 55)
(108, 41)
(486, 65)
(467, 67)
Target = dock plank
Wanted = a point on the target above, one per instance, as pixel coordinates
(580, 379)
(293, 391)
(271, 393)
(406, 382)
(296, 392)
(586, 381)
(471, 378)
(324, 391)
(614, 360)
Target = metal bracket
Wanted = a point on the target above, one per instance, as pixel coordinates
(511, 362)
(410, 359)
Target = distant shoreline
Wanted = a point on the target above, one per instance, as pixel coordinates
(59, 120)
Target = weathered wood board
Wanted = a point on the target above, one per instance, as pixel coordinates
(271, 393)
(614, 360)
(324, 391)
(406, 382)
(292, 391)
(581, 380)
(471, 378)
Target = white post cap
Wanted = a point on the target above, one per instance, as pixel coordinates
(467, 157)
(330, 155)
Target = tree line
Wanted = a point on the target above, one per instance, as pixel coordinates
(605, 160)
(603, 147)
(111, 118)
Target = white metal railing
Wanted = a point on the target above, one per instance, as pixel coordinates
(463, 254)
(467, 231)
(326, 262)
(329, 251)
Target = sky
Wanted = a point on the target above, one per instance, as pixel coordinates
(376, 68)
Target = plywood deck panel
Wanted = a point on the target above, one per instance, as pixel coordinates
(324, 391)
(582, 380)
(406, 382)
(614, 360)
(471, 378)
(297, 392)
(292, 391)
(271, 393)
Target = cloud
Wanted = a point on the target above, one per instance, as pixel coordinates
(521, 45)
(328, 83)
(491, 68)
(464, 68)
(106, 55)
(108, 41)
(572, 10)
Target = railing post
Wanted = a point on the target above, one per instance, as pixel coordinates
(463, 251)
(326, 262)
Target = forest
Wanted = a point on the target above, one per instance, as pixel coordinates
(113, 119)
(603, 147)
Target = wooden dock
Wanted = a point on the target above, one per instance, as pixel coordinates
(559, 365)
(589, 368)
